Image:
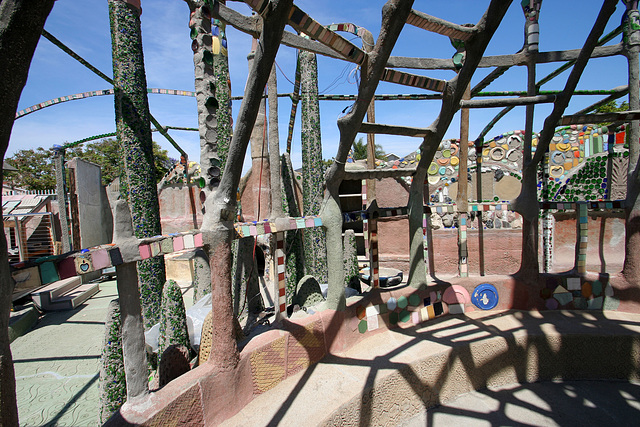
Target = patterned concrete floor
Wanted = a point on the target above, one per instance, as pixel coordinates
(57, 367)
(569, 403)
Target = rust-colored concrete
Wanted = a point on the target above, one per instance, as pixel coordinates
(502, 248)
(392, 193)
(605, 247)
(255, 191)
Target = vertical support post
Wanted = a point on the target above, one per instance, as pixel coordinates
(631, 268)
(52, 234)
(370, 231)
(367, 46)
(462, 199)
(548, 224)
(295, 98)
(365, 221)
(529, 260)
(133, 345)
(428, 242)
(582, 220)
(260, 165)
(478, 147)
(58, 155)
(76, 241)
(463, 255)
(22, 244)
(279, 280)
(374, 261)
(274, 147)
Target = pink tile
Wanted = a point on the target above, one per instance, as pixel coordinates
(415, 317)
(178, 243)
(100, 259)
(145, 251)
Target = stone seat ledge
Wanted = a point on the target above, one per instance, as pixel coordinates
(392, 375)
(389, 377)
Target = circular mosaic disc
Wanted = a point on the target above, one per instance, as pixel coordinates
(497, 154)
(433, 168)
(485, 296)
(557, 157)
(455, 294)
(514, 155)
(556, 171)
(514, 141)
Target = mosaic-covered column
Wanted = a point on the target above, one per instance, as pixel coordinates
(212, 85)
(548, 224)
(137, 180)
(312, 171)
(295, 248)
(631, 269)
(213, 96)
(582, 237)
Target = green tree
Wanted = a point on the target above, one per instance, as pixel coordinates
(107, 154)
(36, 168)
(360, 150)
(612, 107)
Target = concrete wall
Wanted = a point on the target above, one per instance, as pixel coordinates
(180, 208)
(94, 215)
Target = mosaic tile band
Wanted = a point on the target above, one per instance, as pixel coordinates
(305, 24)
(84, 95)
(414, 80)
(435, 27)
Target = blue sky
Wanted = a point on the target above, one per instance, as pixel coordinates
(84, 27)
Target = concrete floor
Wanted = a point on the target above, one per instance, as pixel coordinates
(57, 364)
(569, 403)
(58, 361)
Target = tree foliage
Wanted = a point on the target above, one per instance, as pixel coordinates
(360, 150)
(612, 107)
(36, 168)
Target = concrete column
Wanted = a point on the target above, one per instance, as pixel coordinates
(631, 268)
(133, 344)
(58, 156)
